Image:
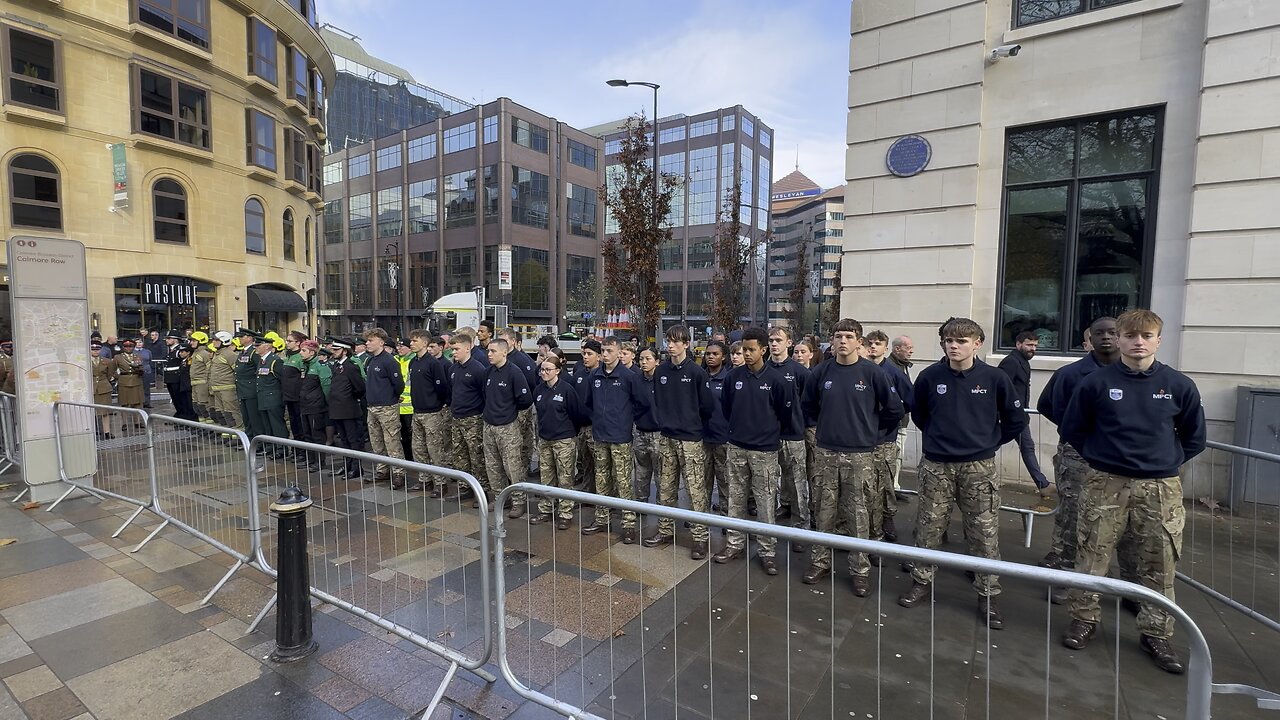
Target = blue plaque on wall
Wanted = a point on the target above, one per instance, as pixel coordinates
(908, 155)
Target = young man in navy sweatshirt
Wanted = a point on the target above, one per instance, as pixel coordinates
(616, 396)
(429, 389)
(855, 404)
(683, 402)
(887, 455)
(791, 456)
(965, 410)
(1017, 365)
(383, 385)
(466, 378)
(758, 402)
(529, 366)
(506, 395)
(1135, 422)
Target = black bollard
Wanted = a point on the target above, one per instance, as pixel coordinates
(293, 581)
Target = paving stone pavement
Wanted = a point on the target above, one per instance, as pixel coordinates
(87, 633)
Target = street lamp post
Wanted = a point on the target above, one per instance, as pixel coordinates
(393, 279)
(644, 290)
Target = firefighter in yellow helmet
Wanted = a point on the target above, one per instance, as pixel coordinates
(201, 356)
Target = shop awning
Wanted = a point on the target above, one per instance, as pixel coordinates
(269, 300)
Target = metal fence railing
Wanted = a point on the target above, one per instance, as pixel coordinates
(693, 649)
(1232, 550)
(10, 448)
(413, 565)
(104, 451)
(1010, 466)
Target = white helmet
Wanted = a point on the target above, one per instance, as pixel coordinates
(223, 337)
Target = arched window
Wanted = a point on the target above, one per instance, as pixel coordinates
(288, 234)
(255, 227)
(35, 198)
(169, 206)
(306, 239)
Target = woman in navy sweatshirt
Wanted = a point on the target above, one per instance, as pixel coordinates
(560, 413)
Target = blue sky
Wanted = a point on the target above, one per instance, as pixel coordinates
(787, 62)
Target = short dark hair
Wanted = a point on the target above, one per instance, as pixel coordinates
(437, 340)
(756, 333)
(1104, 318)
(419, 334)
(680, 333)
(724, 347)
(487, 324)
(611, 340)
(878, 336)
(961, 327)
(549, 341)
(500, 343)
(848, 325)
(592, 345)
(297, 336)
(1025, 335)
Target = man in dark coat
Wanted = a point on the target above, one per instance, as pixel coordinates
(346, 390)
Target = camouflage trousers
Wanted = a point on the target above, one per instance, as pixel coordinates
(1069, 473)
(794, 467)
(613, 479)
(384, 437)
(585, 480)
(504, 459)
(468, 447)
(689, 458)
(975, 488)
(716, 472)
(843, 484)
(1152, 509)
(756, 470)
(881, 502)
(648, 457)
(556, 462)
(429, 431)
(528, 436)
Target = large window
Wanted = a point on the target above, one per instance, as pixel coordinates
(333, 285)
(359, 214)
(187, 20)
(699, 299)
(701, 253)
(306, 240)
(361, 281)
(260, 134)
(332, 173)
(390, 211)
(490, 129)
(612, 147)
(389, 158)
(673, 295)
(704, 200)
(1078, 224)
(582, 210)
(460, 199)
(582, 155)
(492, 197)
(423, 148)
(460, 138)
(671, 254)
(528, 197)
(333, 222)
(530, 278)
(422, 279)
(529, 135)
(255, 227)
(263, 54)
(315, 162)
(422, 206)
(580, 272)
(31, 70)
(358, 166)
(169, 208)
(671, 134)
(702, 127)
(170, 109)
(1029, 12)
(299, 76)
(35, 198)
(459, 270)
(295, 156)
(288, 246)
(673, 164)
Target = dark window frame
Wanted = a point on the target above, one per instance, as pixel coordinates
(306, 238)
(296, 158)
(583, 155)
(333, 209)
(15, 199)
(1066, 311)
(1086, 6)
(299, 87)
(288, 242)
(261, 214)
(177, 222)
(262, 67)
(252, 147)
(170, 8)
(529, 134)
(176, 88)
(11, 77)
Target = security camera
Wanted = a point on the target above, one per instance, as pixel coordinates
(1004, 51)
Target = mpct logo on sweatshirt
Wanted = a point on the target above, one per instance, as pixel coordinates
(861, 386)
(1162, 395)
(978, 390)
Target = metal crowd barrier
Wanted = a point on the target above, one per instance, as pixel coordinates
(1231, 551)
(636, 628)
(10, 448)
(1010, 467)
(412, 565)
(120, 467)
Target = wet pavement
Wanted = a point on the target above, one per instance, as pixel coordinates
(91, 630)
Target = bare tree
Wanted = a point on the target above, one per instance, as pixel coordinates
(796, 295)
(733, 256)
(831, 311)
(640, 209)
